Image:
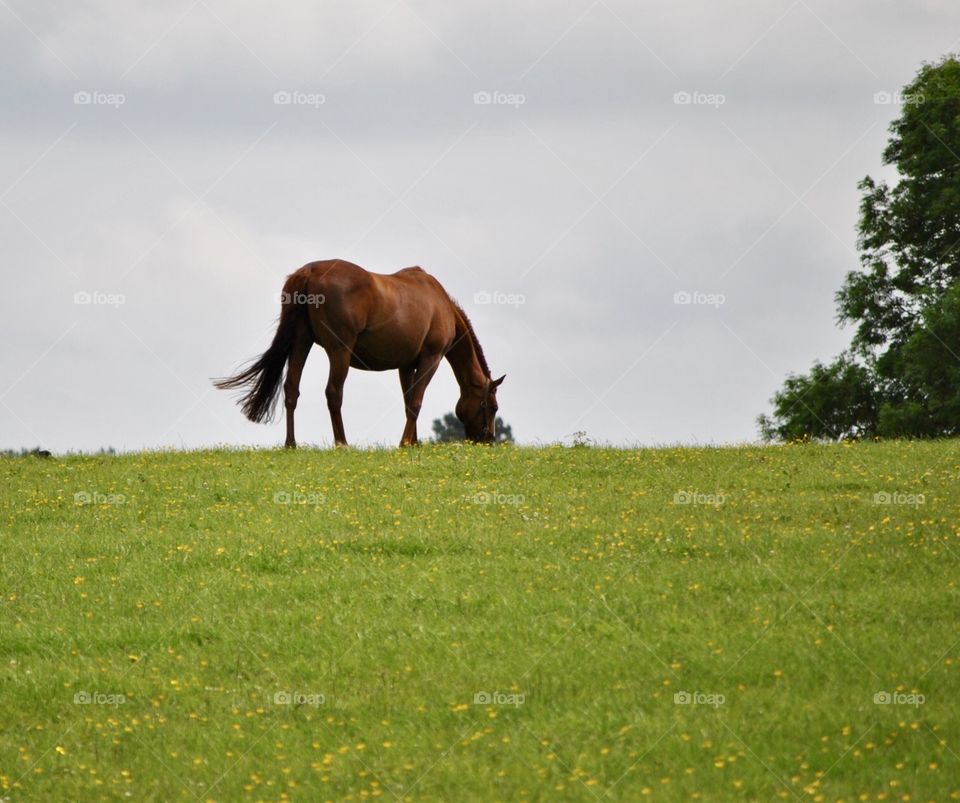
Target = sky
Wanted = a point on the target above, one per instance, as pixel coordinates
(646, 209)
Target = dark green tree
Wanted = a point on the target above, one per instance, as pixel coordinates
(449, 430)
(836, 400)
(901, 374)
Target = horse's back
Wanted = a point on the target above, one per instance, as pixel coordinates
(415, 273)
(335, 272)
(347, 275)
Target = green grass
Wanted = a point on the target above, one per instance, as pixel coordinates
(387, 594)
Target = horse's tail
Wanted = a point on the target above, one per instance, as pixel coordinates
(263, 375)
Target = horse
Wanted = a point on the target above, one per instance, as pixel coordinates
(404, 321)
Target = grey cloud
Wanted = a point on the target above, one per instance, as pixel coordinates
(493, 198)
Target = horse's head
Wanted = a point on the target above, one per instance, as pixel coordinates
(477, 411)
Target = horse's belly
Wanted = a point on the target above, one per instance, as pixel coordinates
(382, 354)
(367, 363)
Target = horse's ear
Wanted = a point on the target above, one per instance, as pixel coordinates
(497, 382)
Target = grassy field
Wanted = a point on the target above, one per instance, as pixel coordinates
(469, 623)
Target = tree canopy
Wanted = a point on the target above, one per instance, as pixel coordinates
(901, 374)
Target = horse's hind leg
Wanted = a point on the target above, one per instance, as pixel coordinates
(291, 387)
(339, 365)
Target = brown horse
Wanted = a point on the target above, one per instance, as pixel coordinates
(404, 321)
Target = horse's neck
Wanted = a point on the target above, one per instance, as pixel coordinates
(463, 359)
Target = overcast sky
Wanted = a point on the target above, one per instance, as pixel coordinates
(149, 163)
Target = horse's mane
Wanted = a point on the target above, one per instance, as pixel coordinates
(478, 349)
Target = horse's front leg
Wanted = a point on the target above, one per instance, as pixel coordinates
(414, 382)
(406, 385)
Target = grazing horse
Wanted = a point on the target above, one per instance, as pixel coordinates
(404, 321)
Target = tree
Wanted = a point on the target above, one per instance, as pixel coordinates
(901, 374)
(449, 430)
(836, 400)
